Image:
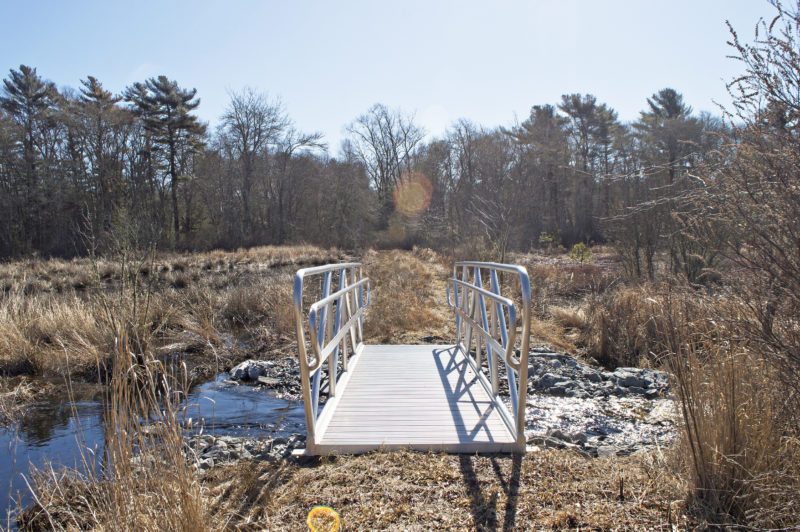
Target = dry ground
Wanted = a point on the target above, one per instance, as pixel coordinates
(414, 491)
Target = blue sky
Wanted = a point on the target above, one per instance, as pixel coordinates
(488, 61)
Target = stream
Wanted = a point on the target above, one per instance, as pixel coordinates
(57, 431)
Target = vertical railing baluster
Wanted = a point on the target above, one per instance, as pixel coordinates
(333, 361)
(360, 305)
(352, 333)
(455, 302)
(510, 374)
(485, 323)
(323, 327)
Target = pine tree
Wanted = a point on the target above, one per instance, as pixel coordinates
(28, 100)
(164, 109)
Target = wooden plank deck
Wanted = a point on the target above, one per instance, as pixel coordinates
(423, 397)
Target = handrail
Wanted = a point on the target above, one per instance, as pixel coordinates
(328, 333)
(321, 351)
(468, 300)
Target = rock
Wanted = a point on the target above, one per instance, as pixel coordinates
(578, 437)
(629, 377)
(548, 380)
(242, 371)
(558, 435)
(637, 390)
(250, 370)
(606, 451)
(268, 381)
(592, 376)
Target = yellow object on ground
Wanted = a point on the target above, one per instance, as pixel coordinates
(323, 519)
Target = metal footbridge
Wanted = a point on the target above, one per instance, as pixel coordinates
(422, 397)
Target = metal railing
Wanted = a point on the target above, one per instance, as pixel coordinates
(333, 320)
(494, 326)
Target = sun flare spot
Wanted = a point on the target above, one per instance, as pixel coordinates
(412, 194)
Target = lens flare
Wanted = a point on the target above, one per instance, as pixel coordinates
(412, 194)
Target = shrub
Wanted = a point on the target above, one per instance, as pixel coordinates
(580, 253)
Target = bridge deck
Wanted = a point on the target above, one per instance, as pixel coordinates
(424, 397)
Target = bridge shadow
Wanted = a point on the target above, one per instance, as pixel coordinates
(485, 509)
(463, 393)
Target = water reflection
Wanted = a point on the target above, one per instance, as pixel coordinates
(50, 432)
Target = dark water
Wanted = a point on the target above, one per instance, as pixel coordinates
(56, 432)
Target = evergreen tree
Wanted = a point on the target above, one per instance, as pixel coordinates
(29, 101)
(164, 109)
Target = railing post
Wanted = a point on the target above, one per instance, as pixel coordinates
(310, 414)
(485, 322)
(333, 361)
(323, 327)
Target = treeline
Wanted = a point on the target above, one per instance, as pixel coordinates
(88, 167)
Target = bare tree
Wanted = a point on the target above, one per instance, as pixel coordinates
(385, 142)
(251, 123)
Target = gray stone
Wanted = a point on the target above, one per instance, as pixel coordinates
(628, 377)
(268, 381)
(549, 380)
(578, 437)
(606, 451)
(637, 390)
(592, 376)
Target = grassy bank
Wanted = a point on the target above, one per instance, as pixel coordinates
(416, 491)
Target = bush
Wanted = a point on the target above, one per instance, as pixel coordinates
(580, 253)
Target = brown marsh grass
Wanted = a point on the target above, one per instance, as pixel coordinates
(412, 491)
(418, 491)
(407, 297)
(143, 478)
(58, 317)
(740, 450)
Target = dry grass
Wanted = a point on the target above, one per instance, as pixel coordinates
(57, 317)
(414, 491)
(50, 334)
(741, 439)
(569, 318)
(142, 481)
(740, 456)
(407, 297)
(13, 399)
